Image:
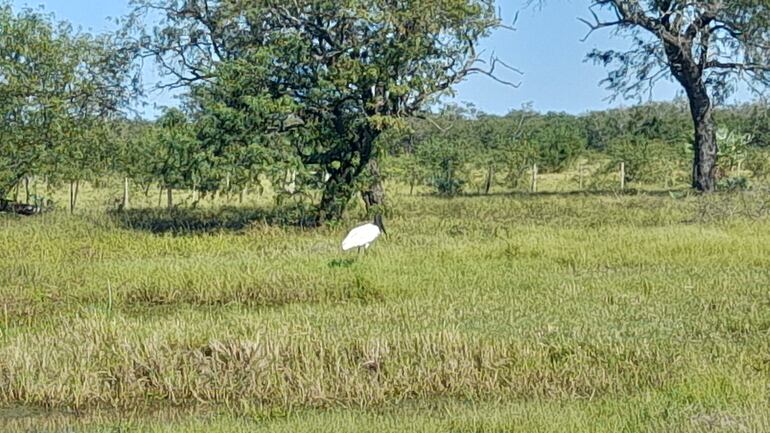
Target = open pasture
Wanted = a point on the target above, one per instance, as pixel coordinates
(551, 312)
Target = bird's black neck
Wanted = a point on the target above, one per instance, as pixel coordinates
(378, 222)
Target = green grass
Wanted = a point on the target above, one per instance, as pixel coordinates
(552, 312)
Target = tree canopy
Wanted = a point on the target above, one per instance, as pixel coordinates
(57, 87)
(332, 75)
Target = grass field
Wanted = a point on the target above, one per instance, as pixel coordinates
(525, 313)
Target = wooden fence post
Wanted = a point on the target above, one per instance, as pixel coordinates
(622, 176)
(125, 193)
(74, 189)
(580, 176)
(534, 178)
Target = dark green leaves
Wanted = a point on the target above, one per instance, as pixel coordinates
(309, 85)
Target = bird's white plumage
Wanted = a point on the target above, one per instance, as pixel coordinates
(361, 236)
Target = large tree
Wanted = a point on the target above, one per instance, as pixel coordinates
(707, 46)
(340, 71)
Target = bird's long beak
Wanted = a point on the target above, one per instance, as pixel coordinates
(378, 222)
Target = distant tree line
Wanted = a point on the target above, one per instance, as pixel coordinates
(459, 146)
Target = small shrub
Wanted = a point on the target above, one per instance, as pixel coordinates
(734, 183)
(448, 186)
(758, 162)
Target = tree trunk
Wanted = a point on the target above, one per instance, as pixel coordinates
(690, 75)
(169, 197)
(488, 183)
(26, 188)
(534, 178)
(125, 193)
(337, 193)
(340, 186)
(375, 194)
(705, 160)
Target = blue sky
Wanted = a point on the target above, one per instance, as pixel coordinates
(546, 47)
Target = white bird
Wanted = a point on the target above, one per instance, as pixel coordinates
(363, 235)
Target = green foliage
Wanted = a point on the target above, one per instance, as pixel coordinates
(460, 139)
(504, 144)
(758, 162)
(647, 161)
(668, 122)
(733, 149)
(652, 140)
(130, 148)
(557, 138)
(328, 77)
(408, 168)
(734, 183)
(444, 162)
(58, 87)
(176, 157)
(752, 118)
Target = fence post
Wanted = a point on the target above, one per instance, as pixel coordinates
(74, 188)
(125, 193)
(534, 178)
(622, 176)
(580, 176)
